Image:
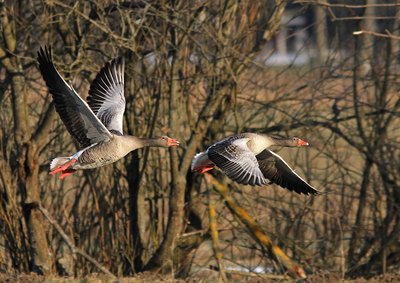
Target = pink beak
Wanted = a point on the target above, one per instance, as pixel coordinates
(302, 143)
(172, 142)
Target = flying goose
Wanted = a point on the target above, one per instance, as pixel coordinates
(97, 124)
(245, 159)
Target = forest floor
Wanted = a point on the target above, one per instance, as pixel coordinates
(156, 278)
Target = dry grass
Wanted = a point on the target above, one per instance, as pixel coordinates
(322, 277)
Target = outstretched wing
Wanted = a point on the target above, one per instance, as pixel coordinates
(275, 169)
(106, 95)
(234, 157)
(81, 122)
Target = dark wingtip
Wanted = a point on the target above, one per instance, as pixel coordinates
(318, 192)
(44, 54)
(310, 192)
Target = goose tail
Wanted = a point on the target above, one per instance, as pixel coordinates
(201, 163)
(57, 162)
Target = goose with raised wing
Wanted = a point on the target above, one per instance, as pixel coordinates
(246, 159)
(96, 125)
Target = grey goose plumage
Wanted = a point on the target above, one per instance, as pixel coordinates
(106, 95)
(246, 159)
(81, 123)
(97, 126)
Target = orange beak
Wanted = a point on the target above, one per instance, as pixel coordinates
(302, 143)
(172, 142)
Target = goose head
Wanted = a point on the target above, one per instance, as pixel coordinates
(167, 141)
(295, 141)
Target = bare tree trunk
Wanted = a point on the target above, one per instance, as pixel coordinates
(136, 205)
(367, 51)
(136, 196)
(212, 214)
(354, 240)
(395, 42)
(321, 33)
(27, 157)
(28, 176)
(163, 258)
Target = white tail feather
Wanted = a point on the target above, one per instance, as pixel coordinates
(58, 161)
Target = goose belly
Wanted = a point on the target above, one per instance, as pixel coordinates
(100, 155)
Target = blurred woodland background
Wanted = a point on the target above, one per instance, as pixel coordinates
(198, 71)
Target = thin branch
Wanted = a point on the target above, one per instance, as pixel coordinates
(378, 34)
(74, 249)
(363, 18)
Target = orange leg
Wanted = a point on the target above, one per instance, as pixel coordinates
(205, 169)
(63, 167)
(66, 173)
